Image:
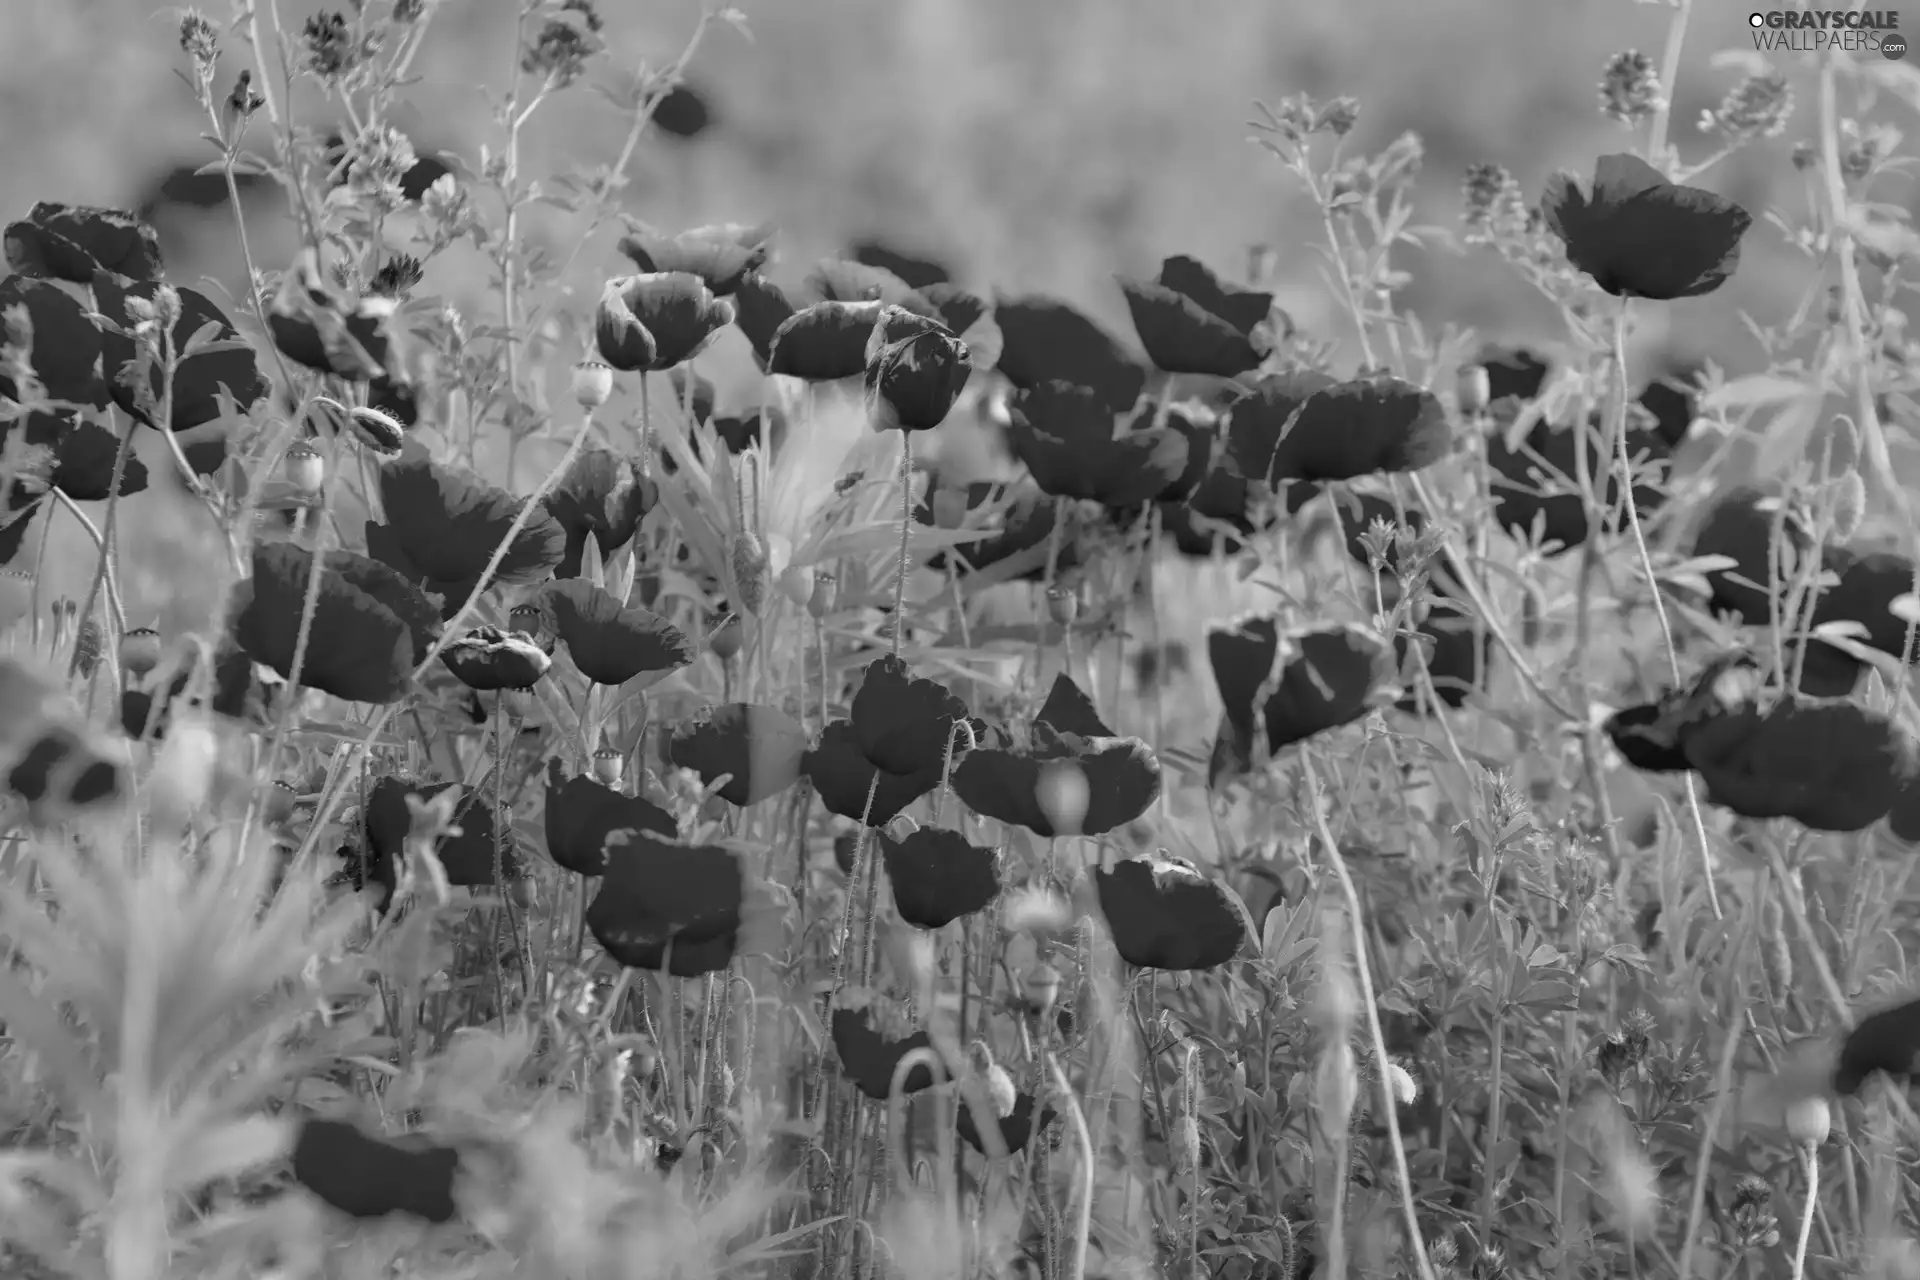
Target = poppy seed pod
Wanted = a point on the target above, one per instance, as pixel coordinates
(1809, 1120)
(727, 637)
(305, 468)
(608, 764)
(277, 804)
(821, 602)
(378, 431)
(592, 383)
(140, 651)
(1473, 388)
(1063, 604)
(796, 584)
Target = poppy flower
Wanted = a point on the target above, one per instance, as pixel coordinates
(1121, 775)
(1339, 432)
(844, 778)
(663, 901)
(603, 494)
(581, 813)
(1262, 417)
(902, 722)
(1326, 678)
(487, 659)
(1190, 322)
(1164, 914)
(1647, 738)
(682, 112)
(1886, 1041)
(721, 255)
(359, 648)
(938, 876)
(1016, 1127)
(467, 857)
(224, 364)
(1741, 525)
(760, 308)
(1223, 511)
(1456, 651)
(970, 318)
(65, 354)
(1045, 340)
(1534, 484)
(70, 242)
(1022, 525)
(50, 757)
(759, 748)
(331, 331)
(871, 1059)
(443, 524)
(913, 270)
(1869, 583)
(1641, 236)
(840, 280)
(651, 322)
(610, 642)
(824, 342)
(82, 456)
(1829, 764)
(368, 1177)
(235, 693)
(915, 371)
(1065, 435)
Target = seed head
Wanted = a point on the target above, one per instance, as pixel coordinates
(1063, 604)
(1757, 107)
(305, 468)
(1472, 388)
(139, 651)
(1495, 205)
(200, 42)
(87, 646)
(1337, 117)
(1630, 89)
(330, 46)
(608, 763)
(821, 602)
(1809, 1121)
(592, 383)
(564, 44)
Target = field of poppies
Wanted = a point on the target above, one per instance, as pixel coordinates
(792, 836)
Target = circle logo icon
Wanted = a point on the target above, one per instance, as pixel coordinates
(1893, 46)
(1756, 19)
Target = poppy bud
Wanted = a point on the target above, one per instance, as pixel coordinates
(821, 602)
(749, 569)
(1063, 604)
(1849, 504)
(305, 468)
(592, 383)
(796, 584)
(949, 507)
(1809, 1120)
(1401, 1084)
(1063, 794)
(380, 432)
(727, 637)
(999, 1086)
(608, 764)
(1187, 1142)
(140, 651)
(1473, 388)
(86, 647)
(1041, 986)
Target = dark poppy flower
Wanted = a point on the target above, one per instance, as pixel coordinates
(902, 722)
(603, 494)
(1349, 429)
(824, 342)
(467, 857)
(392, 590)
(664, 903)
(51, 758)
(487, 659)
(145, 709)
(82, 456)
(652, 322)
(871, 1059)
(610, 642)
(760, 308)
(1021, 520)
(758, 748)
(913, 270)
(331, 331)
(1325, 678)
(1869, 583)
(1456, 651)
(720, 255)
(1223, 511)
(1260, 419)
(938, 876)
(1045, 340)
(65, 354)
(443, 524)
(1741, 525)
(367, 1177)
(1649, 734)
(1164, 914)
(70, 242)
(740, 434)
(1647, 738)
(970, 318)
(1065, 435)
(1641, 236)
(1535, 484)
(358, 649)
(1121, 776)
(1190, 322)
(1886, 1042)
(581, 813)
(1830, 765)
(915, 371)
(223, 364)
(850, 785)
(1514, 372)
(1016, 1127)
(838, 280)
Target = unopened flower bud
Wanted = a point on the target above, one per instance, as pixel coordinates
(999, 1086)
(87, 646)
(592, 383)
(1401, 1083)
(608, 764)
(749, 569)
(1187, 1143)
(727, 638)
(305, 468)
(140, 651)
(1809, 1120)
(1472, 388)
